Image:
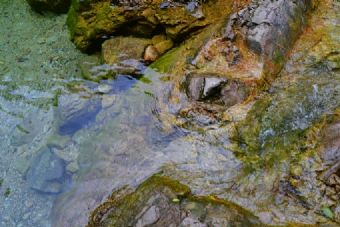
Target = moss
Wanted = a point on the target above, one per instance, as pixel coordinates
(123, 207)
(283, 126)
(167, 62)
(1, 182)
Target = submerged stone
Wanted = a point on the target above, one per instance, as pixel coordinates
(75, 117)
(47, 173)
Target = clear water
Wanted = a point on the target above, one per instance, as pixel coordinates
(67, 143)
(64, 146)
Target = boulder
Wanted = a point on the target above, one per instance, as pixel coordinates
(256, 41)
(91, 22)
(118, 49)
(216, 89)
(47, 173)
(161, 201)
(57, 6)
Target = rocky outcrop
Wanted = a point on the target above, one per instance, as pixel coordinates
(91, 22)
(57, 6)
(161, 201)
(256, 42)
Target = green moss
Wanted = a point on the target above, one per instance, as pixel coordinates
(167, 62)
(1, 182)
(278, 127)
(128, 206)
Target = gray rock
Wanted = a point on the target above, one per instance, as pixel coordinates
(269, 25)
(233, 93)
(104, 88)
(47, 173)
(196, 87)
(149, 217)
(204, 87)
(212, 84)
(191, 222)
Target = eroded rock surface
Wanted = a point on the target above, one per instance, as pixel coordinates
(160, 201)
(90, 22)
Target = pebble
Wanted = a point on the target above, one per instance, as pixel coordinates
(151, 54)
(72, 167)
(108, 100)
(104, 88)
(28, 204)
(46, 173)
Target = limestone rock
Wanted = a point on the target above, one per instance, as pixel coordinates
(151, 54)
(91, 22)
(161, 201)
(118, 49)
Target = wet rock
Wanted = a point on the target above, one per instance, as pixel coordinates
(216, 89)
(204, 87)
(149, 217)
(162, 43)
(47, 173)
(108, 100)
(103, 72)
(196, 87)
(160, 201)
(267, 28)
(90, 22)
(233, 93)
(118, 49)
(77, 113)
(104, 88)
(211, 85)
(151, 54)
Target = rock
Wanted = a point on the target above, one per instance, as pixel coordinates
(108, 100)
(260, 25)
(76, 113)
(21, 164)
(104, 88)
(91, 22)
(151, 54)
(233, 93)
(162, 43)
(118, 49)
(72, 167)
(47, 173)
(211, 85)
(57, 6)
(149, 217)
(195, 88)
(216, 89)
(161, 201)
(97, 73)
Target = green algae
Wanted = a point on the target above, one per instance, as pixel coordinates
(283, 125)
(127, 207)
(124, 207)
(277, 128)
(88, 22)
